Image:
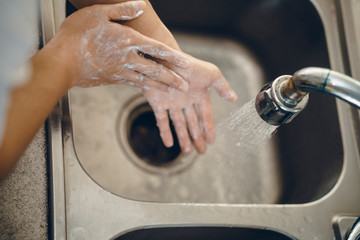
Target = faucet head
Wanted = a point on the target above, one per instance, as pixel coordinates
(275, 106)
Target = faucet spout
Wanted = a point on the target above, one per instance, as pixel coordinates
(328, 81)
(280, 101)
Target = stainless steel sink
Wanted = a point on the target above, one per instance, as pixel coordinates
(299, 185)
(107, 156)
(101, 118)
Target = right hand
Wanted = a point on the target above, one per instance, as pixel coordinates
(101, 51)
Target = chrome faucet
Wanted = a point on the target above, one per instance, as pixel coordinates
(280, 101)
(355, 231)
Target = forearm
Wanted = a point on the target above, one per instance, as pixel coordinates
(148, 23)
(30, 104)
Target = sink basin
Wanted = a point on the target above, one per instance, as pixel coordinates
(300, 184)
(106, 154)
(248, 55)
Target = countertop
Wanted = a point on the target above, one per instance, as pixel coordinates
(24, 195)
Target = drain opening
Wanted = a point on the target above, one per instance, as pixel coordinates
(144, 138)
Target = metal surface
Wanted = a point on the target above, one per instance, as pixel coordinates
(342, 226)
(207, 178)
(351, 20)
(123, 124)
(278, 103)
(355, 231)
(57, 218)
(95, 213)
(328, 81)
(275, 108)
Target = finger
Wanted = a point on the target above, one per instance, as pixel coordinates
(158, 72)
(207, 119)
(179, 123)
(126, 10)
(138, 79)
(149, 83)
(194, 129)
(224, 89)
(159, 50)
(133, 84)
(162, 121)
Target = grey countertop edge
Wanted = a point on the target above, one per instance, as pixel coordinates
(24, 195)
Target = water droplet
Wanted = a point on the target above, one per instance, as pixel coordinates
(71, 163)
(301, 230)
(267, 210)
(308, 219)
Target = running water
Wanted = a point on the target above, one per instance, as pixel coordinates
(244, 130)
(241, 165)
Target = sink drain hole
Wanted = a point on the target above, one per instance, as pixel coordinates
(144, 138)
(139, 138)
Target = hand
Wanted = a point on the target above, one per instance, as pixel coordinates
(190, 112)
(105, 52)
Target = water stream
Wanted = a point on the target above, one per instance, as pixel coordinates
(243, 131)
(241, 166)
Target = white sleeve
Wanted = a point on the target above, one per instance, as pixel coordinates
(19, 21)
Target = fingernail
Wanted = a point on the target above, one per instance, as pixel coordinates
(138, 13)
(235, 97)
(231, 96)
(210, 138)
(127, 14)
(187, 150)
(202, 149)
(169, 144)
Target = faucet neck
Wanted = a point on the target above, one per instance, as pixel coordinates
(290, 91)
(328, 81)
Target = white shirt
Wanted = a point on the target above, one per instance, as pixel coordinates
(19, 40)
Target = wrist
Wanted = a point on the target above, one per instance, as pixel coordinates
(62, 58)
(52, 72)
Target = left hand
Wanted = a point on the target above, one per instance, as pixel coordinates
(190, 112)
